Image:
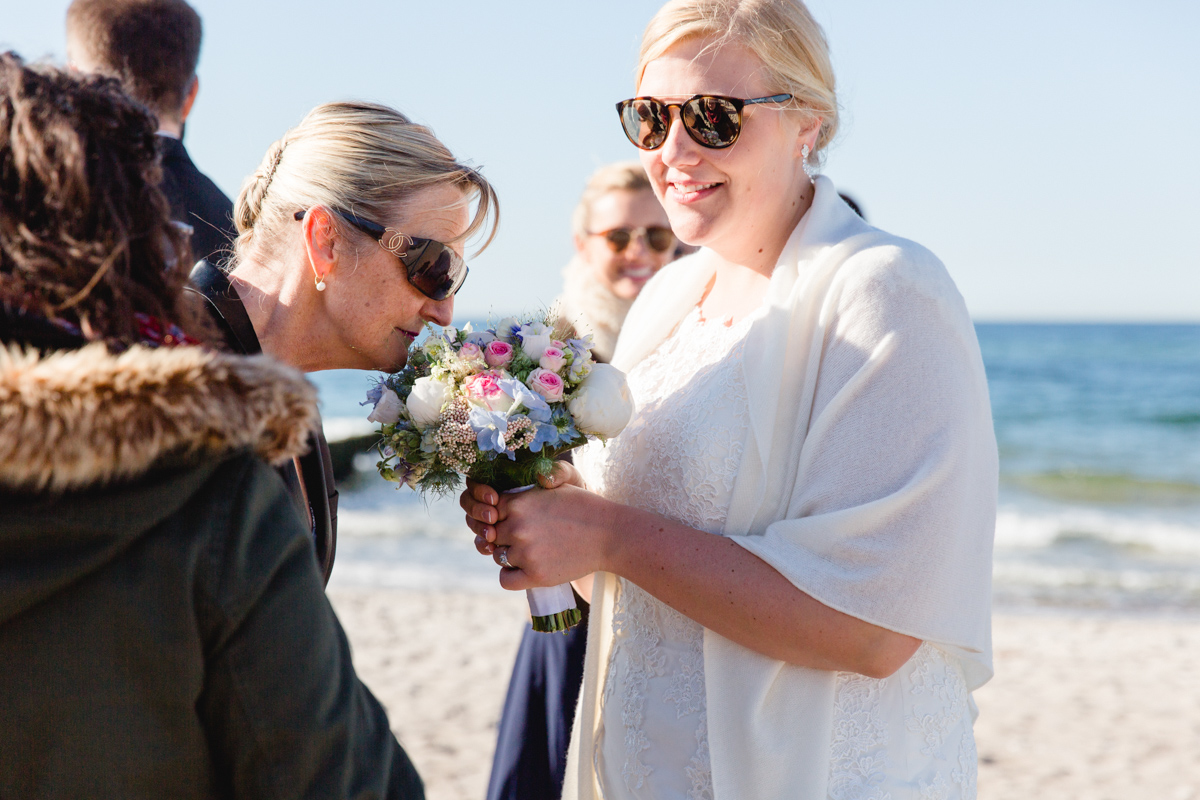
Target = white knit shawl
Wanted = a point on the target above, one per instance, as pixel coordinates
(869, 481)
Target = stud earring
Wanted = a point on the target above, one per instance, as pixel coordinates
(321, 284)
(808, 170)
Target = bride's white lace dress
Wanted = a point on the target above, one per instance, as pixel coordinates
(907, 736)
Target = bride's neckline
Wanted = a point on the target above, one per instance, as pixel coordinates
(726, 321)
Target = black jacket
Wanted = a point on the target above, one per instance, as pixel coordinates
(196, 201)
(163, 627)
(318, 500)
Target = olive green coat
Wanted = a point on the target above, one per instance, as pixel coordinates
(163, 629)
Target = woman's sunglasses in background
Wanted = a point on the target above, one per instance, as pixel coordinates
(660, 240)
(710, 119)
(433, 268)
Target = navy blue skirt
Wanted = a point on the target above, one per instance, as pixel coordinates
(535, 727)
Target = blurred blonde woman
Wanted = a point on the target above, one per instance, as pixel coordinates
(622, 239)
(350, 238)
(793, 537)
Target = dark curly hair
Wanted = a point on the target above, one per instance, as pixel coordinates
(85, 233)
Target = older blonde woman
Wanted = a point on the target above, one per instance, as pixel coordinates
(794, 534)
(350, 239)
(622, 239)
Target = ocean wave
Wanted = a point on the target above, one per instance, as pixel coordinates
(1092, 558)
(1024, 529)
(1025, 585)
(338, 428)
(441, 519)
(415, 563)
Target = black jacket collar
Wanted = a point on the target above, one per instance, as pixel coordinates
(213, 284)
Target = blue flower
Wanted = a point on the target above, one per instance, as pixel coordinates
(539, 409)
(490, 428)
(561, 431)
(373, 395)
(544, 434)
(568, 433)
(581, 347)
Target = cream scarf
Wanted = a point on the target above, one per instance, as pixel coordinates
(869, 480)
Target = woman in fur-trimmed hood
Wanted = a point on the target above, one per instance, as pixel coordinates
(163, 627)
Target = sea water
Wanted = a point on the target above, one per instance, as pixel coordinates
(1098, 428)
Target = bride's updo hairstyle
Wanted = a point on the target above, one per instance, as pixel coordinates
(359, 157)
(781, 33)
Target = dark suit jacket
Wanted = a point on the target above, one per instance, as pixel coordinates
(196, 201)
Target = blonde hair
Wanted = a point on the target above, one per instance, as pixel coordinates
(782, 34)
(357, 157)
(622, 176)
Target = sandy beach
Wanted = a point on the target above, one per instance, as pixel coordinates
(1103, 707)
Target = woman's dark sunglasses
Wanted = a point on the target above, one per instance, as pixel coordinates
(433, 268)
(710, 119)
(659, 239)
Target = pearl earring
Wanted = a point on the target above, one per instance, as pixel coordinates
(321, 284)
(808, 170)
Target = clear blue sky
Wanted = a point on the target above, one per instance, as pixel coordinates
(1048, 151)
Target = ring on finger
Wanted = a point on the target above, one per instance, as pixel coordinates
(503, 558)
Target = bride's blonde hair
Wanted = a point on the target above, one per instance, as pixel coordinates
(358, 157)
(782, 34)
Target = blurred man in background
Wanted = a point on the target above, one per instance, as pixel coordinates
(152, 47)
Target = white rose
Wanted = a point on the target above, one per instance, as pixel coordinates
(426, 400)
(535, 339)
(602, 405)
(387, 410)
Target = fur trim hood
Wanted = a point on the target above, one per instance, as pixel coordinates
(79, 418)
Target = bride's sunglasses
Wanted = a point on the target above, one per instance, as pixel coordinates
(433, 268)
(710, 119)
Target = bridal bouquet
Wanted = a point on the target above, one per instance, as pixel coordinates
(497, 406)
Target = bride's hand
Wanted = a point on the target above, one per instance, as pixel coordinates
(550, 537)
(481, 502)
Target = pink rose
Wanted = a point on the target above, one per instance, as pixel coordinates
(547, 384)
(553, 359)
(471, 353)
(498, 354)
(558, 344)
(484, 390)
